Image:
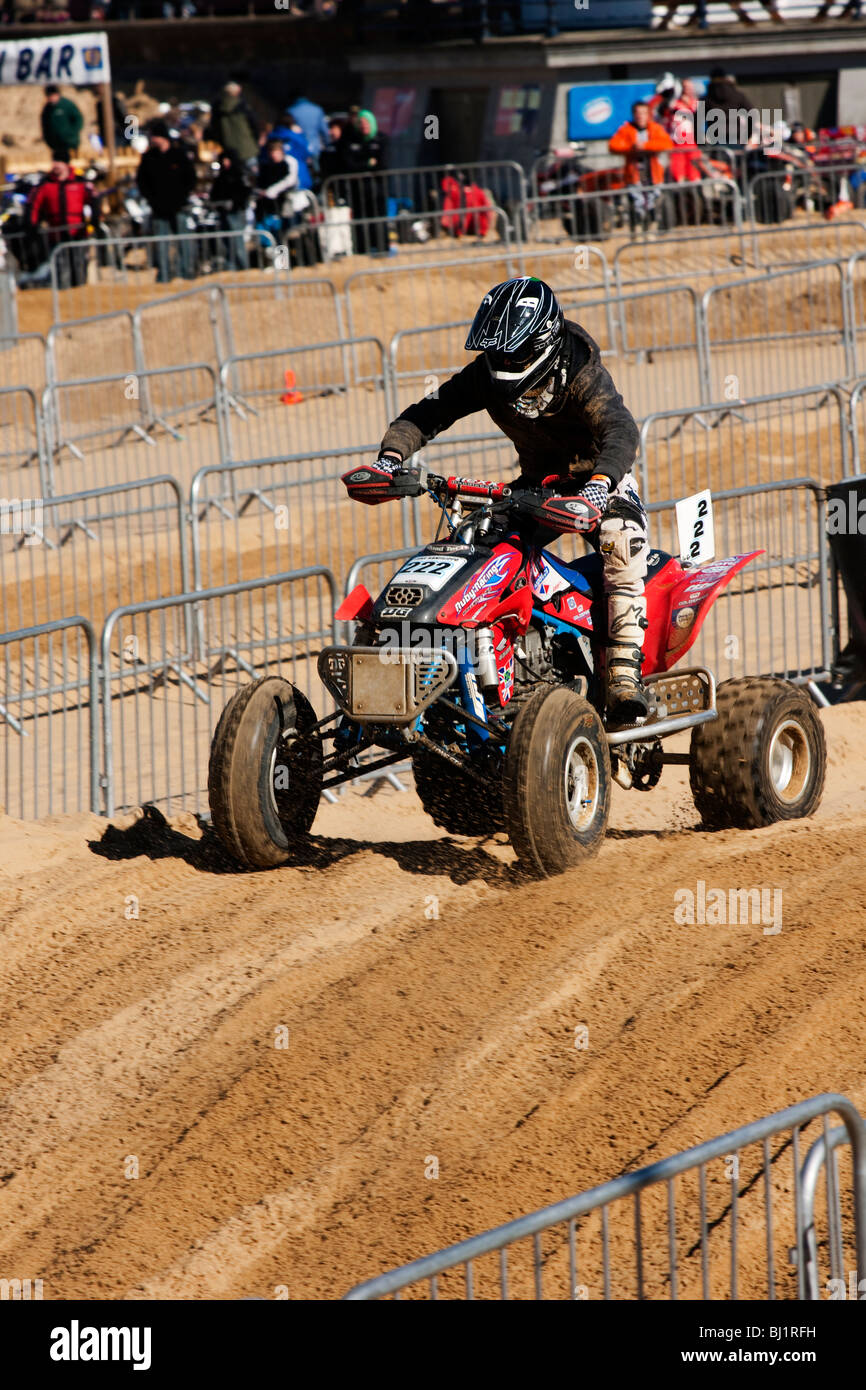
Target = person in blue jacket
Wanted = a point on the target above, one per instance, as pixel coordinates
(313, 122)
(294, 143)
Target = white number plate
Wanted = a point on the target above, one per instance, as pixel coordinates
(432, 570)
(695, 527)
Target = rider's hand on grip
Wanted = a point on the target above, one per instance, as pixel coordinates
(382, 481)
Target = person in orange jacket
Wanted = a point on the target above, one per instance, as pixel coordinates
(640, 141)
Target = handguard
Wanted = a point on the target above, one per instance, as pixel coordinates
(382, 481)
(564, 515)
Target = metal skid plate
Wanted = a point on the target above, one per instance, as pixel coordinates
(386, 685)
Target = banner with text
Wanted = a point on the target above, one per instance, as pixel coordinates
(80, 59)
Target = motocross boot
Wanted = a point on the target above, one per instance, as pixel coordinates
(625, 696)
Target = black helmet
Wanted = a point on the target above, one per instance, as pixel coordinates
(520, 329)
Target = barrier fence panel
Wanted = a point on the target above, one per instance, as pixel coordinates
(856, 284)
(858, 427)
(716, 1221)
(179, 327)
(412, 234)
(710, 256)
(108, 429)
(49, 720)
(656, 360)
(98, 276)
(297, 399)
(775, 616)
(777, 194)
(387, 299)
(779, 331)
(766, 463)
(92, 551)
(265, 315)
(636, 210)
(426, 190)
(23, 360)
(169, 666)
(90, 347)
(21, 443)
(284, 513)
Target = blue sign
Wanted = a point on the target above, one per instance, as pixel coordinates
(597, 109)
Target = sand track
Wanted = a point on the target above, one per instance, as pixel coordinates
(409, 1035)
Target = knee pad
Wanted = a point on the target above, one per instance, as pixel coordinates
(623, 546)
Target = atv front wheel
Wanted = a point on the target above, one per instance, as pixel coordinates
(556, 785)
(265, 773)
(762, 760)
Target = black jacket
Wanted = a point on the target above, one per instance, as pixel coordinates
(230, 187)
(166, 179)
(587, 430)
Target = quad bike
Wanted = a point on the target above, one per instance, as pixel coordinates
(482, 660)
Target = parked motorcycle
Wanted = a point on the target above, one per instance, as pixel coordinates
(483, 660)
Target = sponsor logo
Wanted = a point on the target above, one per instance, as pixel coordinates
(490, 578)
(546, 581)
(597, 111)
(361, 477)
(684, 617)
(395, 612)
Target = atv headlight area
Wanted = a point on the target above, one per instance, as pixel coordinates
(386, 685)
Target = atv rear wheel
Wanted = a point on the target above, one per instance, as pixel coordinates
(265, 773)
(556, 785)
(764, 758)
(453, 800)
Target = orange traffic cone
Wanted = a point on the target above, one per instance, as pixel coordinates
(843, 203)
(290, 396)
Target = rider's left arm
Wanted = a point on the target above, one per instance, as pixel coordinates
(614, 431)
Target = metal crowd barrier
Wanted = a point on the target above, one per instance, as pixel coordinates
(102, 429)
(292, 400)
(627, 1238)
(95, 276)
(709, 256)
(419, 190)
(168, 667)
(49, 719)
(638, 209)
(290, 511)
(775, 195)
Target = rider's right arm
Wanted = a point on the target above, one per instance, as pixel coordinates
(460, 395)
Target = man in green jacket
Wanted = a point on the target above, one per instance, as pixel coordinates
(233, 124)
(62, 123)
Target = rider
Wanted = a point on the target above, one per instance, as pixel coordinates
(541, 380)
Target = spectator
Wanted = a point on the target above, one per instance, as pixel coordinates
(329, 161)
(313, 123)
(674, 106)
(278, 176)
(699, 14)
(233, 125)
(361, 150)
(230, 196)
(724, 95)
(59, 204)
(640, 141)
(294, 143)
(166, 177)
(62, 123)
